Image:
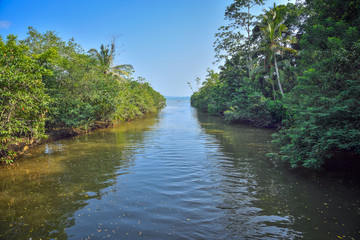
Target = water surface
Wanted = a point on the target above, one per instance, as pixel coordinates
(179, 174)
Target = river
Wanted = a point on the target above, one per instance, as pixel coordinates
(179, 174)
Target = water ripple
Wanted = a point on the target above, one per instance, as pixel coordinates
(178, 175)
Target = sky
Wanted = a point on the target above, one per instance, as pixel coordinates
(168, 42)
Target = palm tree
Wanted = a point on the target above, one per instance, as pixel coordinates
(274, 40)
(106, 58)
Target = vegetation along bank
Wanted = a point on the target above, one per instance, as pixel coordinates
(49, 87)
(295, 67)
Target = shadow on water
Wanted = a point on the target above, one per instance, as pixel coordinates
(41, 192)
(268, 200)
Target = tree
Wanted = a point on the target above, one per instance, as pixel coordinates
(80, 93)
(106, 59)
(23, 101)
(324, 108)
(230, 39)
(274, 41)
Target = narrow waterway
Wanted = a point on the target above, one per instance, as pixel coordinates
(179, 174)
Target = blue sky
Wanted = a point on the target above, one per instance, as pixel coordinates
(168, 42)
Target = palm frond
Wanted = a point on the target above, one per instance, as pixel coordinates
(121, 78)
(125, 67)
(120, 72)
(106, 57)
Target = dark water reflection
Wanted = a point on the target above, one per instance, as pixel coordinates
(176, 175)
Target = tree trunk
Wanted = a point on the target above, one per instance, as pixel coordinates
(278, 76)
(273, 90)
(249, 44)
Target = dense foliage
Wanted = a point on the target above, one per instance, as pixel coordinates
(22, 96)
(304, 76)
(325, 105)
(49, 86)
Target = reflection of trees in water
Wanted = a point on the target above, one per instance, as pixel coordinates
(40, 193)
(262, 200)
(250, 185)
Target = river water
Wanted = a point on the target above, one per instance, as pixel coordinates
(179, 174)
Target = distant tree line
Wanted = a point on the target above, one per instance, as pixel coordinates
(297, 67)
(49, 86)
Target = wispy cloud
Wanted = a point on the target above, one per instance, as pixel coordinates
(4, 24)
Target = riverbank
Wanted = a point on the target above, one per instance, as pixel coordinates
(22, 147)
